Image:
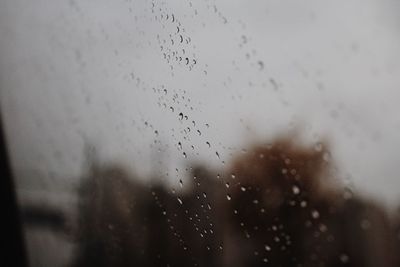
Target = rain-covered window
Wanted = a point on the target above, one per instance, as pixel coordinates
(204, 133)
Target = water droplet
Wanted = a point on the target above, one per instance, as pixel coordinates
(267, 248)
(296, 190)
(318, 147)
(180, 116)
(315, 214)
(228, 197)
(216, 153)
(344, 258)
(247, 234)
(323, 228)
(260, 65)
(179, 200)
(208, 144)
(326, 156)
(347, 194)
(243, 188)
(180, 183)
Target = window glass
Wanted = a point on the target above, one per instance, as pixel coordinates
(204, 133)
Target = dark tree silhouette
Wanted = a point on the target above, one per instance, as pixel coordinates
(276, 206)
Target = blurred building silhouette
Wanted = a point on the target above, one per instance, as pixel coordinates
(276, 206)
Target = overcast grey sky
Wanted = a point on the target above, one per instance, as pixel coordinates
(118, 74)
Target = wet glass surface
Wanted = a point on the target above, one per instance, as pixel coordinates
(204, 133)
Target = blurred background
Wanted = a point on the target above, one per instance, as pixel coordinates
(157, 86)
